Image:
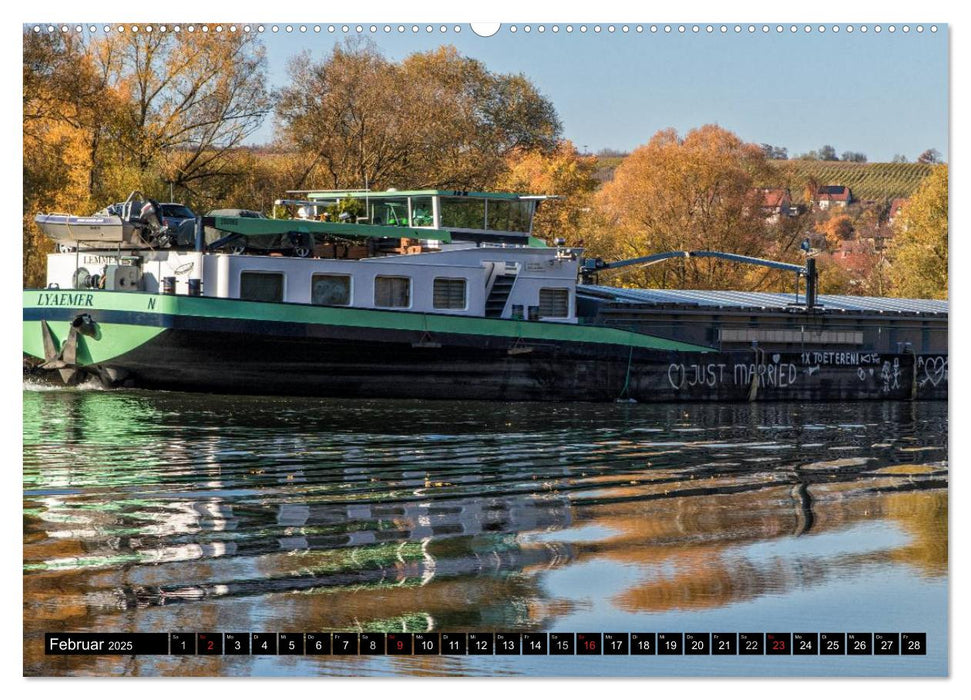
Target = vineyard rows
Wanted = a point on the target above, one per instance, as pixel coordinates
(868, 181)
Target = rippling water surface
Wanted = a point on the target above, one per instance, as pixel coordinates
(158, 512)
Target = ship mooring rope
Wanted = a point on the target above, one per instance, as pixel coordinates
(630, 356)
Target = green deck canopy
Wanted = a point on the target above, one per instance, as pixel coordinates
(274, 227)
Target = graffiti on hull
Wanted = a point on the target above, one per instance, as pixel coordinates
(847, 373)
(931, 370)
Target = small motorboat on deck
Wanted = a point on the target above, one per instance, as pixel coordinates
(134, 223)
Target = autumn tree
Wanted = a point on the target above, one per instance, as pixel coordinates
(695, 192)
(564, 173)
(919, 251)
(64, 97)
(837, 228)
(104, 116)
(834, 277)
(188, 98)
(930, 156)
(437, 119)
(810, 189)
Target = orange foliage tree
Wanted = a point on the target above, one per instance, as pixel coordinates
(695, 192)
(837, 228)
(564, 173)
(159, 112)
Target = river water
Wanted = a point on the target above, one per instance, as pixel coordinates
(169, 512)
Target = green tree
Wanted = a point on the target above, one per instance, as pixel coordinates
(827, 152)
(919, 252)
(774, 152)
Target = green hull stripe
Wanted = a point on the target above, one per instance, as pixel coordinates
(114, 339)
(208, 307)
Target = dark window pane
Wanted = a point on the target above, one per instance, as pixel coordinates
(261, 286)
(463, 212)
(554, 303)
(331, 290)
(509, 216)
(498, 215)
(520, 214)
(177, 211)
(449, 293)
(391, 292)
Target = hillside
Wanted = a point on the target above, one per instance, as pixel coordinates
(876, 181)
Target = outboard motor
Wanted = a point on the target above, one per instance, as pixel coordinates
(149, 214)
(159, 233)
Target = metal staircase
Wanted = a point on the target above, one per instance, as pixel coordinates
(498, 295)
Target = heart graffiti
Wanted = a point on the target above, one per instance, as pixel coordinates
(935, 369)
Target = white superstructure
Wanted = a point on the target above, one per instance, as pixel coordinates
(501, 282)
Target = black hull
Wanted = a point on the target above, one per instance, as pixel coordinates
(371, 363)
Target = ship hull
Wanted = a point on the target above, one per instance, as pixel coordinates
(226, 346)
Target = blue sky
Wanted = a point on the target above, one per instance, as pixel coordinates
(881, 94)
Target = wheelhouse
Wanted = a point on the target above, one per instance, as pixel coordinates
(470, 216)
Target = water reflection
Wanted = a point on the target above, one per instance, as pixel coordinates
(167, 512)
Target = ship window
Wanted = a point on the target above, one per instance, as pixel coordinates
(261, 286)
(422, 213)
(331, 290)
(463, 212)
(449, 293)
(392, 291)
(392, 211)
(554, 303)
(505, 215)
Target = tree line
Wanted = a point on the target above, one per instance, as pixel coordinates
(169, 114)
(828, 153)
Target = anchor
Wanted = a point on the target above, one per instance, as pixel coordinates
(65, 360)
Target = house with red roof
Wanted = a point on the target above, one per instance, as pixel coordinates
(895, 208)
(832, 195)
(775, 202)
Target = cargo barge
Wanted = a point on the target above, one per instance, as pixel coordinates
(422, 294)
